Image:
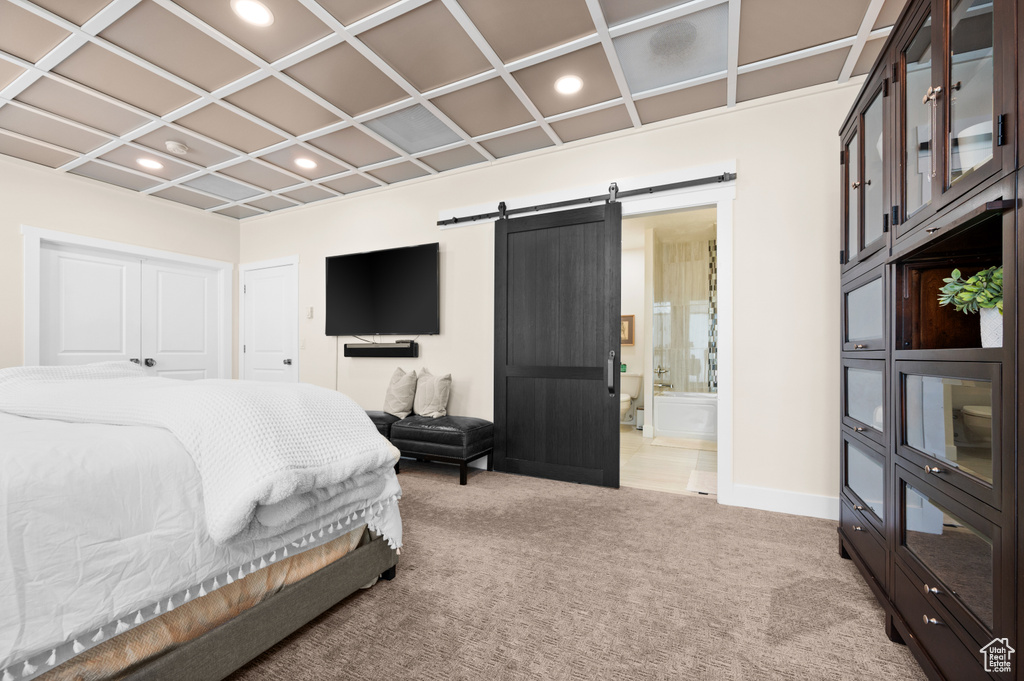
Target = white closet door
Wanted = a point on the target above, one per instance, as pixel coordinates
(89, 306)
(270, 297)
(180, 313)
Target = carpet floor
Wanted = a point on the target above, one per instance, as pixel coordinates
(520, 578)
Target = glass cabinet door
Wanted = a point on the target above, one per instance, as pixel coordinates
(972, 86)
(853, 197)
(874, 135)
(864, 309)
(955, 550)
(864, 475)
(864, 397)
(950, 424)
(918, 163)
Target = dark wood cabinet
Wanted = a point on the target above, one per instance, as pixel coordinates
(930, 496)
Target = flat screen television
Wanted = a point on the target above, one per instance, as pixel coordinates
(389, 292)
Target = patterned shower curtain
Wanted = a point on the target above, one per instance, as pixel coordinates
(684, 315)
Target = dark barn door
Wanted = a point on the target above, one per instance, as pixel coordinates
(556, 344)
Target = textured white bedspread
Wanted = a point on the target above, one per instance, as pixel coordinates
(99, 521)
(269, 455)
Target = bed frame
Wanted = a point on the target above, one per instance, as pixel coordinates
(218, 653)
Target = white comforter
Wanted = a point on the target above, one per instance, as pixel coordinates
(269, 455)
(100, 522)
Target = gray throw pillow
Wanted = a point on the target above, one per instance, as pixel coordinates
(432, 394)
(399, 397)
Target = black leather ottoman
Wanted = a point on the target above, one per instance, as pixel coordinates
(383, 421)
(450, 439)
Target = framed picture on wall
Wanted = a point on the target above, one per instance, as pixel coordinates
(627, 329)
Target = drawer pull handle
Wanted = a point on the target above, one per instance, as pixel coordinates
(856, 185)
(934, 470)
(930, 620)
(932, 230)
(931, 590)
(859, 429)
(858, 508)
(857, 528)
(859, 346)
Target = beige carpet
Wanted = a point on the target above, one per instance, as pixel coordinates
(520, 578)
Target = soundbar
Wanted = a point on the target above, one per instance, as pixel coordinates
(401, 349)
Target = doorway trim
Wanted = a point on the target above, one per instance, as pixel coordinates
(720, 196)
(292, 260)
(34, 237)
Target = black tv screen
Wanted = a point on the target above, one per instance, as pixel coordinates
(392, 292)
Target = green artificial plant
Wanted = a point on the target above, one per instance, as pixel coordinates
(983, 290)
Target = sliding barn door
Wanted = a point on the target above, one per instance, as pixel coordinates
(556, 345)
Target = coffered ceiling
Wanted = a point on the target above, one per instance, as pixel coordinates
(341, 96)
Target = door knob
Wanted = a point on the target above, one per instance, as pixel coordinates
(134, 360)
(288, 362)
(149, 362)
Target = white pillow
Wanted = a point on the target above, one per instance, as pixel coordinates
(399, 397)
(432, 394)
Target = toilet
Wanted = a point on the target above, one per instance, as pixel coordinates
(978, 422)
(629, 390)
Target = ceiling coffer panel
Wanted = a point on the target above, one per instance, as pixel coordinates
(334, 97)
(413, 130)
(689, 47)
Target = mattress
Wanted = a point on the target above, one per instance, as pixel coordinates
(102, 530)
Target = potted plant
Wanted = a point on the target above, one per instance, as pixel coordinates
(982, 293)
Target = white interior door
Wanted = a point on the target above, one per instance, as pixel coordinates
(179, 320)
(90, 302)
(271, 318)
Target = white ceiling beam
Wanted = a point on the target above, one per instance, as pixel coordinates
(870, 17)
(382, 16)
(551, 53)
(661, 17)
(675, 87)
(613, 60)
(499, 67)
(733, 60)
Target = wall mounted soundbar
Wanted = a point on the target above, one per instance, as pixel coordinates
(403, 349)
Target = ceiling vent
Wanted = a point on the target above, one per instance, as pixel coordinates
(689, 47)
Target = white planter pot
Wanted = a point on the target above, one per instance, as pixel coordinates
(991, 328)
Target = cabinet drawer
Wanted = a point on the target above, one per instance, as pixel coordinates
(931, 626)
(860, 535)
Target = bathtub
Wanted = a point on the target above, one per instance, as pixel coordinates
(693, 416)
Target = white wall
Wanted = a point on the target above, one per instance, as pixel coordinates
(633, 303)
(786, 208)
(39, 197)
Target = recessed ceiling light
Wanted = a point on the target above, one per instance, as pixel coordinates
(306, 163)
(569, 85)
(253, 12)
(150, 163)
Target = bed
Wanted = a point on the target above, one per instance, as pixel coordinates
(156, 529)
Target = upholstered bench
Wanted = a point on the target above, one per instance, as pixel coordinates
(449, 439)
(383, 421)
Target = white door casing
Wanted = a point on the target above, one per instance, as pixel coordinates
(269, 321)
(90, 301)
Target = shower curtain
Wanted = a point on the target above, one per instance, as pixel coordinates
(684, 314)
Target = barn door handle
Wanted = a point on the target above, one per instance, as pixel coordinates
(611, 373)
(149, 362)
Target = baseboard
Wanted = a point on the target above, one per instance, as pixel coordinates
(780, 501)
